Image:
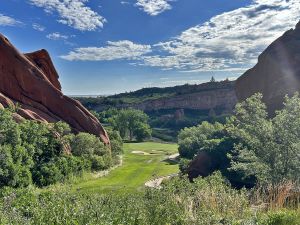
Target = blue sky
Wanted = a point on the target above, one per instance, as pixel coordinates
(112, 46)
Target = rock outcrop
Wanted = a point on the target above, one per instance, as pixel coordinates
(223, 98)
(205, 96)
(31, 81)
(277, 72)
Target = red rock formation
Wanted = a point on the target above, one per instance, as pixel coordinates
(43, 61)
(277, 72)
(32, 81)
(201, 165)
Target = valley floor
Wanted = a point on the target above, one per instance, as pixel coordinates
(141, 162)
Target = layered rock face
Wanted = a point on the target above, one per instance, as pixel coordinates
(31, 81)
(277, 72)
(224, 98)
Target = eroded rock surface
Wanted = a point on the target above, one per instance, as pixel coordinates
(277, 72)
(31, 81)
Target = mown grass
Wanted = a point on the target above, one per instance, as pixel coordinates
(135, 170)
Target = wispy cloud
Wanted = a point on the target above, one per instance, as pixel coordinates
(73, 13)
(154, 7)
(125, 3)
(227, 41)
(56, 36)
(38, 27)
(8, 21)
(114, 50)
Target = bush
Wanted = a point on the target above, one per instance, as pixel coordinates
(98, 163)
(38, 153)
(47, 173)
(84, 144)
(250, 146)
(283, 217)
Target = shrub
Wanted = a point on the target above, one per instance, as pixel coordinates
(282, 217)
(32, 152)
(251, 146)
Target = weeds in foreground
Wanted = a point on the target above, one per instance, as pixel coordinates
(207, 201)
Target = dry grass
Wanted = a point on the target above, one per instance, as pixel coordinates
(274, 197)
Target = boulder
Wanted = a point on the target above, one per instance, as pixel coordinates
(202, 165)
(31, 81)
(277, 72)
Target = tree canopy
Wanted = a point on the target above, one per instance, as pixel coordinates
(253, 143)
(131, 123)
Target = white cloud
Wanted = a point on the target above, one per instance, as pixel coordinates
(114, 50)
(57, 36)
(125, 3)
(154, 7)
(8, 21)
(227, 41)
(73, 13)
(38, 27)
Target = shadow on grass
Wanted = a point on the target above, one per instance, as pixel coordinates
(171, 161)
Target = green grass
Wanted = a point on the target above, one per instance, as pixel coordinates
(135, 170)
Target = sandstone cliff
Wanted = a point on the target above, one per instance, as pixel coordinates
(31, 81)
(206, 96)
(277, 72)
(223, 98)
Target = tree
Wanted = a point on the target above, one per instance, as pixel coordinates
(142, 131)
(212, 79)
(131, 123)
(84, 144)
(250, 146)
(32, 152)
(200, 138)
(15, 159)
(116, 142)
(264, 147)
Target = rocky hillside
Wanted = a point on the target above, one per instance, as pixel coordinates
(222, 97)
(31, 82)
(277, 72)
(211, 95)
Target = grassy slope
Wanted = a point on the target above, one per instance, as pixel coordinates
(136, 169)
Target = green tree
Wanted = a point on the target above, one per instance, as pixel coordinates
(15, 159)
(142, 131)
(131, 123)
(267, 148)
(203, 137)
(84, 144)
(251, 145)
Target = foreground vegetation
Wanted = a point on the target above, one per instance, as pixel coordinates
(207, 201)
(250, 147)
(141, 162)
(44, 154)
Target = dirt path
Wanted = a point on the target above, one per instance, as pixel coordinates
(156, 183)
(173, 157)
(106, 172)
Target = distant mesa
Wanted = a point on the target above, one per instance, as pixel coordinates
(31, 81)
(277, 72)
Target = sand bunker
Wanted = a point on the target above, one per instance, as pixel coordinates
(140, 153)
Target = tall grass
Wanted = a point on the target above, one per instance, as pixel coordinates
(207, 201)
(275, 197)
